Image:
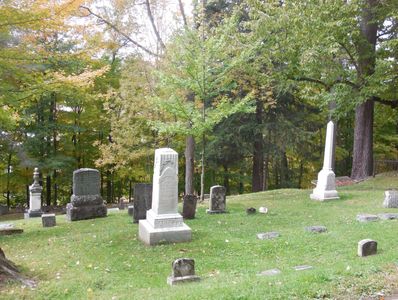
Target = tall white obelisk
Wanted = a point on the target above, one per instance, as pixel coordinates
(326, 185)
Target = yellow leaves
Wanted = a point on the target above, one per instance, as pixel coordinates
(85, 79)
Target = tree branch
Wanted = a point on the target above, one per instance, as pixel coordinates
(392, 103)
(127, 37)
(155, 29)
(350, 56)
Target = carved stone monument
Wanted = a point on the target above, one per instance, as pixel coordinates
(217, 200)
(86, 201)
(142, 200)
(326, 184)
(163, 223)
(35, 190)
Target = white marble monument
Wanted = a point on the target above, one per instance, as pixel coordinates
(34, 197)
(326, 184)
(163, 223)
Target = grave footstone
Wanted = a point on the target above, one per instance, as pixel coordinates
(390, 199)
(183, 271)
(316, 229)
(142, 200)
(388, 216)
(263, 210)
(250, 211)
(326, 184)
(271, 272)
(86, 201)
(48, 220)
(302, 268)
(268, 235)
(217, 200)
(10, 231)
(189, 206)
(35, 190)
(163, 223)
(367, 218)
(367, 247)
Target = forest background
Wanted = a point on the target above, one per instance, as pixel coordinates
(242, 88)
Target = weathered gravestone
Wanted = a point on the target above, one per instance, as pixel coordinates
(189, 206)
(35, 190)
(367, 247)
(48, 220)
(183, 271)
(217, 200)
(163, 223)
(251, 211)
(130, 210)
(142, 200)
(390, 199)
(316, 229)
(86, 201)
(326, 184)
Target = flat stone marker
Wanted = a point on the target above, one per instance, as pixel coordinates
(10, 231)
(6, 226)
(86, 201)
(130, 210)
(163, 223)
(183, 271)
(326, 183)
(35, 190)
(48, 220)
(250, 211)
(316, 229)
(390, 199)
(142, 200)
(367, 247)
(303, 267)
(263, 210)
(217, 200)
(367, 218)
(271, 272)
(268, 235)
(388, 216)
(189, 206)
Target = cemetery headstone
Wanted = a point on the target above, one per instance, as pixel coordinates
(86, 201)
(3, 209)
(130, 210)
(302, 268)
(367, 218)
(316, 229)
(217, 200)
(48, 220)
(183, 270)
(142, 200)
(263, 210)
(388, 216)
(250, 211)
(271, 272)
(189, 206)
(267, 235)
(326, 184)
(163, 223)
(35, 190)
(390, 199)
(367, 247)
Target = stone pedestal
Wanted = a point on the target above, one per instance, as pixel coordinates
(326, 184)
(86, 201)
(35, 190)
(163, 223)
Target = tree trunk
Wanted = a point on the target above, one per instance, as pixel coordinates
(10, 271)
(189, 164)
(258, 151)
(362, 161)
(48, 190)
(226, 179)
(55, 188)
(9, 179)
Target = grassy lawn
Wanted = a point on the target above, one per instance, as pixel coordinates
(102, 258)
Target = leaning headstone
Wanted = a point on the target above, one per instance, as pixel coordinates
(217, 200)
(142, 200)
(163, 223)
(48, 220)
(35, 190)
(367, 247)
(86, 201)
(267, 235)
(183, 271)
(250, 211)
(388, 216)
(390, 199)
(130, 210)
(189, 206)
(367, 218)
(316, 229)
(326, 184)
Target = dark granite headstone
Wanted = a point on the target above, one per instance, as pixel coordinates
(48, 220)
(217, 200)
(142, 200)
(189, 206)
(250, 211)
(86, 201)
(183, 271)
(130, 210)
(367, 247)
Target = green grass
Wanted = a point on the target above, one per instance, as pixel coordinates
(102, 258)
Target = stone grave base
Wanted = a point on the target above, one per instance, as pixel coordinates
(166, 228)
(33, 214)
(324, 195)
(209, 211)
(326, 187)
(76, 213)
(176, 280)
